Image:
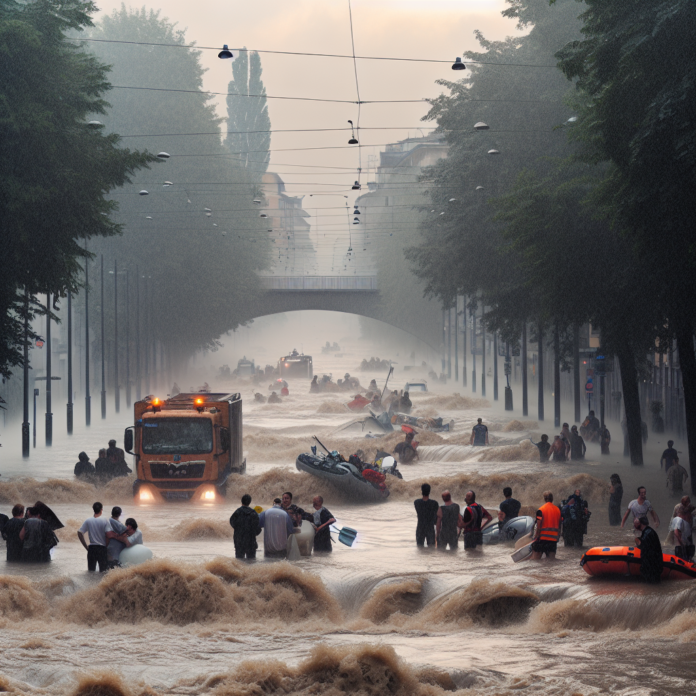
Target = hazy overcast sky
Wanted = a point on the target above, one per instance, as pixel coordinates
(436, 29)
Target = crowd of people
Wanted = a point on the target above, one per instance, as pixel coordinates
(374, 364)
(279, 523)
(442, 526)
(110, 464)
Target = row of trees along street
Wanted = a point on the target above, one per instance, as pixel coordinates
(80, 177)
(576, 203)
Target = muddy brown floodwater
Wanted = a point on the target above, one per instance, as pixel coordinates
(383, 617)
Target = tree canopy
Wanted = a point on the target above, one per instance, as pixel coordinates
(56, 170)
(196, 235)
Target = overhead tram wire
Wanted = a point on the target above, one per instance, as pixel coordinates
(305, 53)
(266, 96)
(323, 130)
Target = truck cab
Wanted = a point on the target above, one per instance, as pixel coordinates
(296, 365)
(186, 447)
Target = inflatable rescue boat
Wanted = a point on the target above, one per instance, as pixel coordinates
(345, 476)
(625, 560)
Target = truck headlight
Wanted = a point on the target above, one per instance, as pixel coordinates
(209, 495)
(145, 495)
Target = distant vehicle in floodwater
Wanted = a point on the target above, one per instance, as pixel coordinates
(416, 387)
(245, 368)
(296, 365)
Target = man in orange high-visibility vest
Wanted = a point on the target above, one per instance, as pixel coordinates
(548, 529)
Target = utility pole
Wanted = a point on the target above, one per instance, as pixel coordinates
(103, 345)
(69, 410)
(88, 398)
(49, 415)
(25, 422)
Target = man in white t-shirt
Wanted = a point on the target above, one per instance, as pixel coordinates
(100, 531)
(641, 507)
(682, 527)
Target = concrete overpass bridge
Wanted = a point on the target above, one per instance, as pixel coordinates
(350, 294)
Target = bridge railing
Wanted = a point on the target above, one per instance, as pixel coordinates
(320, 283)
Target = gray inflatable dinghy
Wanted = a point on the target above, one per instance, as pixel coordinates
(512, 530)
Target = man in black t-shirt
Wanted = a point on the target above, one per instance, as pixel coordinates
(426, 510)
(669, 456)
(509, 508)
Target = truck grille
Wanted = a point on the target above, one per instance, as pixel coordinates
(177, 495)
(163, 470)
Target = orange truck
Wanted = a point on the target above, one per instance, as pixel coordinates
(186, 447)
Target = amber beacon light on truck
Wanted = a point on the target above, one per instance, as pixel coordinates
(186, 447)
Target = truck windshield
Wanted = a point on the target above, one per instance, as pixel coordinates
(177, 436)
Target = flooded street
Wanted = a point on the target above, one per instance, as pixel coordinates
(469, 621)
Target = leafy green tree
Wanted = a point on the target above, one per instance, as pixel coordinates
(56, 169)
(583, 270)
(248, 122)
(636, 74)
(197, 235)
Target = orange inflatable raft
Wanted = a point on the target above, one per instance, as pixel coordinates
(625, 560)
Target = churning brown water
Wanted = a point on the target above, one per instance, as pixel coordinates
(382, 617)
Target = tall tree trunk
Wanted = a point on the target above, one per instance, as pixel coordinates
(687, 363)
(629, 384)
(556, 377)
(540, 335)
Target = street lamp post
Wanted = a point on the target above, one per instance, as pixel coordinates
(49, 415)
(103, 346)
(556, 377)
(36, 393)
(25, 422)
(464, 322)
(523, 357)
(128, 384)
(138, 393)
(495, 366)
(69, 410)
(456, 338)
(541, 372)
(88, 398)
(147, 346)
(474, 348)
(483, 352)
(117, 386)
(449, 343)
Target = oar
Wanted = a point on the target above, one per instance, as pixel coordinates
(523, 541)
(346, 535)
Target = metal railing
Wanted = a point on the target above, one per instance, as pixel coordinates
(320, 283)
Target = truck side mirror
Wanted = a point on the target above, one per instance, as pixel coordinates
(225, 439)
(128, 440)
